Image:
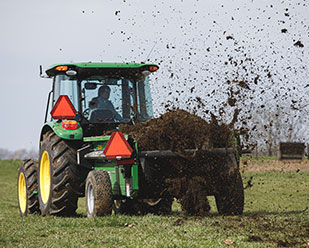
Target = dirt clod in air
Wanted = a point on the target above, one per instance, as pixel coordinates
(188, 177)
(299, 44)
(284, 30)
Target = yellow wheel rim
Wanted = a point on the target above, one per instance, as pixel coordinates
(44, 177)
(22, 192)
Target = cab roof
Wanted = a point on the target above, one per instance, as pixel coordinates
(90, 66)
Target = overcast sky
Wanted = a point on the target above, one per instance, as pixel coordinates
(189, 38)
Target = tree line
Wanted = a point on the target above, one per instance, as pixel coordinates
(20, 154)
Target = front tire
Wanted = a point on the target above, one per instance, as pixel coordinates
(99, 198)
(27, 187)
(59, 177)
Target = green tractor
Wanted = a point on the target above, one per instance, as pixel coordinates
(82, 153)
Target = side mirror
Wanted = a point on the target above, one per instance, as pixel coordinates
(41, 73)
(90, 86)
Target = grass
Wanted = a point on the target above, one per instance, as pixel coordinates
(260, 159)
(276, 215)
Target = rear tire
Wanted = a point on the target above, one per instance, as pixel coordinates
(27, 187)
(59, 177)
(230, 200)
(99, 198)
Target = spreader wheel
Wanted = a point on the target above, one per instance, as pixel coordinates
(123, 206)
(27, 187)
(230, 200)
(162, 206)
(99, 198)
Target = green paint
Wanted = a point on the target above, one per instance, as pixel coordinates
(96, 138)
(99, 146)
(135, 177)
(64, 133)
(100, 138)
(134, 171)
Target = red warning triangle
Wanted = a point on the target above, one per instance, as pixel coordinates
(63, 109)
(117, 146)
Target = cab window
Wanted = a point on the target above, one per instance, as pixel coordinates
(68, 87)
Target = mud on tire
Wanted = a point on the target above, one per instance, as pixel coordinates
(59, 159)
(28, 171)
(99, 198)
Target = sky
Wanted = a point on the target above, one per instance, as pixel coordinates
(190, 40)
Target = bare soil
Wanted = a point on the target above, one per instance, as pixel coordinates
(268, 165)
(188, 176)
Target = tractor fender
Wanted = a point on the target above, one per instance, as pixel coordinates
(76, 134)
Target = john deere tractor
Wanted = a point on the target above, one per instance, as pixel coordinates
(82, 153)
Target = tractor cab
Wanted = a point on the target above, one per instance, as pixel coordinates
(102, 92)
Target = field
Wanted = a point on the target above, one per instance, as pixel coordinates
(276, 215)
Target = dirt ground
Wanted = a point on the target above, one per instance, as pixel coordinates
(268, 165)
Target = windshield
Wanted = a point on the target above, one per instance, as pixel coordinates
(106, 99)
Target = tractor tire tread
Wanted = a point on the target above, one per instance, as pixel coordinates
(30, 171)
(102, 192)
(65, 176)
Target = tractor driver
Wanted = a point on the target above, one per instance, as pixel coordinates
(102, 102)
